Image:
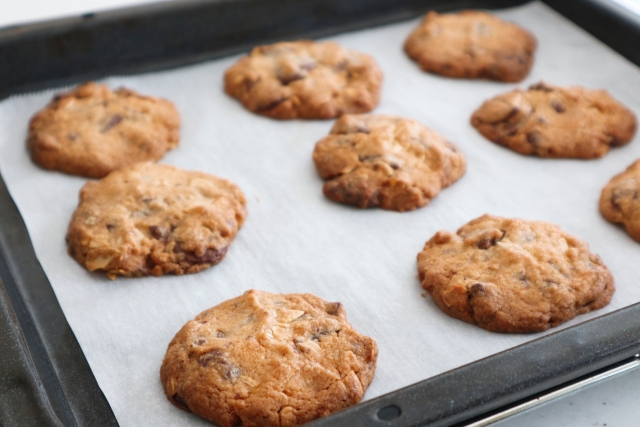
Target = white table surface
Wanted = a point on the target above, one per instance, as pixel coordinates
(614, 402)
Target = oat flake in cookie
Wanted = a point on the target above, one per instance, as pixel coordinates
(91, 130)
(268, 360)
(552, 121)
(512, 275)
(153, 219)
(472, 44)
(305, 79)
(620, 200)
(385, 161)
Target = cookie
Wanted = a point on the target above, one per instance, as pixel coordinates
(268, 360)
(91, 130)
(620, 200)
(551, 121)
(384, 161)
(472, 44)
(512, 275)
(150, 219)
(305, 79)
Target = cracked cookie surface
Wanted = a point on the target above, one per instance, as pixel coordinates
(268, 360)
(91, 130)
(472, 44)
(385, 161)
(552, 121)
(512, 275)
(150, 219)
(620, 200)
(305, 79)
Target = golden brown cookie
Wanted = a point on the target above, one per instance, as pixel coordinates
(385, 161)
(620, 200)
(268, 360)
(472, 44)
(551, 121)
(150, 219)
(512, 275)
(91, 130)
(305, 79)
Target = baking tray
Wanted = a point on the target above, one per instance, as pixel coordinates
(46, 379)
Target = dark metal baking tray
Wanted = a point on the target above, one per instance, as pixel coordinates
(45, 379)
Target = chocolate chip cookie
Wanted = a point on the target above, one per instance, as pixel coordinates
(150, 219)
(472, 44)
(384, 161)
(268, 360)
(91, 130)
(512, 275)
(551, 121)
(620, 200)
(305, 79)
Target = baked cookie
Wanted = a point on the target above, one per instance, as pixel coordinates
(512, 275)
(267, 360)
(620, 200)
(91, 130)
(305, 79)
(150, 219)
(385, 161)
(552, 121)
(472, 44)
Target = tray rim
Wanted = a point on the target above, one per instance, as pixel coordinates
(568, 341)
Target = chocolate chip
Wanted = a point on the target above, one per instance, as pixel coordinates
(216, 355)
(201, 341)
(487, 243)
(159, 232)
(210, 256)
(73, 136)
(320, 333)
(615, 142)
(285, 80)
(363, 129)
(478, 287)
(534, 137)
(110, 227)
(271, 105)
(394, 166)
(351, 193)
(217, 360)
(221, 334)
(112, 122)
(236, 421)
(557, 105)
(334, 308)
(616, 195)
(484, 243)
(179, 402)
(512, 130)
(249, 84)
(542, 86)
(368, 158)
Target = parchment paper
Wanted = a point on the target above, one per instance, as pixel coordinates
(295, 240)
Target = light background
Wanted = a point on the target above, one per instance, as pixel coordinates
(612, 403)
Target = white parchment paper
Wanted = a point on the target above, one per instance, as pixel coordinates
(295, 240)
